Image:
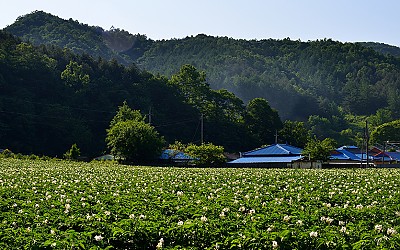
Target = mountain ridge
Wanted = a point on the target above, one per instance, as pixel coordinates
(297, 78)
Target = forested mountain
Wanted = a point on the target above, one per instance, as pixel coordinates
(43, 28)
(51, 98)
(299, 79)
(67, 84)
(383, 48)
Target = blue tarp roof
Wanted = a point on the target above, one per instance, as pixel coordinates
(272, 159)
(170, 154)
(274, 150)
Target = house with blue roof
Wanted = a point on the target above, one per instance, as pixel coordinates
(287, 156)
(352, 156)
(274, 156)
(387, 159)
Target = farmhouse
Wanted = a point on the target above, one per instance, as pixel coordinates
(273, 156)
(287, 156)
(346, 157)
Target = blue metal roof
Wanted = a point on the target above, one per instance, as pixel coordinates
(388, 156)
(272, 159)
(347, 147)
(394, 155)
(363, 156)
(274, 150)
(342, 154)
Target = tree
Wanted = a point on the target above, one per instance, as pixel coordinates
(386, 132)
(206, 154)
(125, 113)
(262, 121)
(73, 153)
(294, 133)
(74, 76)
(382, 116)
(192, 85)
(319, 150)
(131, 139)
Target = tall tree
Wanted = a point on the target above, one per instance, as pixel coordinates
(74, 76)
(192, 85)
(319, 150)
(262, 121)
(131, 139)
(125, 113)
(386, 132)
(294, 133)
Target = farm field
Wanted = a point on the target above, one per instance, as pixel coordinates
(74, 205)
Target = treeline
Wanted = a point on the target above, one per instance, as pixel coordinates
(329, 88)
(51, 98)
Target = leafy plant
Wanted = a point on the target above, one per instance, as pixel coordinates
(73, 153)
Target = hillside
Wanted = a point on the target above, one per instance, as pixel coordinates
(299, 79)
(43, 28)
(51, 98)
(383, 48)
(56, 88)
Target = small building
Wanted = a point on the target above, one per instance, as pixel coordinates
(342, 158)
(272, 156)
(387, 159)
(107, 157)
(349, 157)
(304, 163)
(171, 156)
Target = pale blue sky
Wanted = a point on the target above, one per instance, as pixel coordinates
(342, 20)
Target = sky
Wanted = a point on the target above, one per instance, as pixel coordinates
(340, 20)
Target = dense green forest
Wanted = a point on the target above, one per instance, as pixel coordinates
(51, 98)
(63, 82)
(297, 78)
(383, 48)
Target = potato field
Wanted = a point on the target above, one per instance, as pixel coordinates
(74, 205)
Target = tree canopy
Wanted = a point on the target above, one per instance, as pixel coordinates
(386, 132)
(319, 150)
(262, 121)
(131, 139)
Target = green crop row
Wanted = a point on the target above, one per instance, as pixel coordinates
(72, 205)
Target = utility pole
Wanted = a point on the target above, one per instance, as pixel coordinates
(150, 115)
(383, 156)
(366, 141)
(202, 129)
(276, 136)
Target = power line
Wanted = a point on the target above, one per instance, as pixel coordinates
(202, 129)
(175, 123)
(195, 132)
(57, 104)
(90, 120)
(51, 117)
